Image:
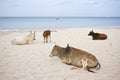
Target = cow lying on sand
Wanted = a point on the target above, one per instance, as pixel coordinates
(23, 40)
(76, 57)
(97, 36)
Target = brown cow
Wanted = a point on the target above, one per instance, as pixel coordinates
(47, 34)
(76, 57)
(97, 36)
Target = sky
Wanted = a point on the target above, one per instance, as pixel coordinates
(59, 8)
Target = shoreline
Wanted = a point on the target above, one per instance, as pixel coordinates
(112, 27)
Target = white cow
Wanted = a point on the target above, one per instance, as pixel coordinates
(23, 40)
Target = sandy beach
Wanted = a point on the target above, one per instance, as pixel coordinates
(32, 62)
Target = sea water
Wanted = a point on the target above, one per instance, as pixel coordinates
(20, 23)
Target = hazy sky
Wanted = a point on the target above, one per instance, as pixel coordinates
(45, 8)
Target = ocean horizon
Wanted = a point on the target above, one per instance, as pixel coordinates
(27, 23)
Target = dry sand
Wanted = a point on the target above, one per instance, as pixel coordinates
(32, 62)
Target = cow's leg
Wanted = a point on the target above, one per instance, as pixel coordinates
(74, 68)
(79, 65)
(30, 42)
(84, 63)
(65, 60)
(44, 40)
(50, 38)
(69, 62)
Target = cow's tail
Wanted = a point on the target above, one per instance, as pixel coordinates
(90, 70)
(53, 30)
(98, 66)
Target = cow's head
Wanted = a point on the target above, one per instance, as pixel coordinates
(54, 51)
(33, 35)
(91, 33)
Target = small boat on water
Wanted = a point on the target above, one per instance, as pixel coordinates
(57, 18)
